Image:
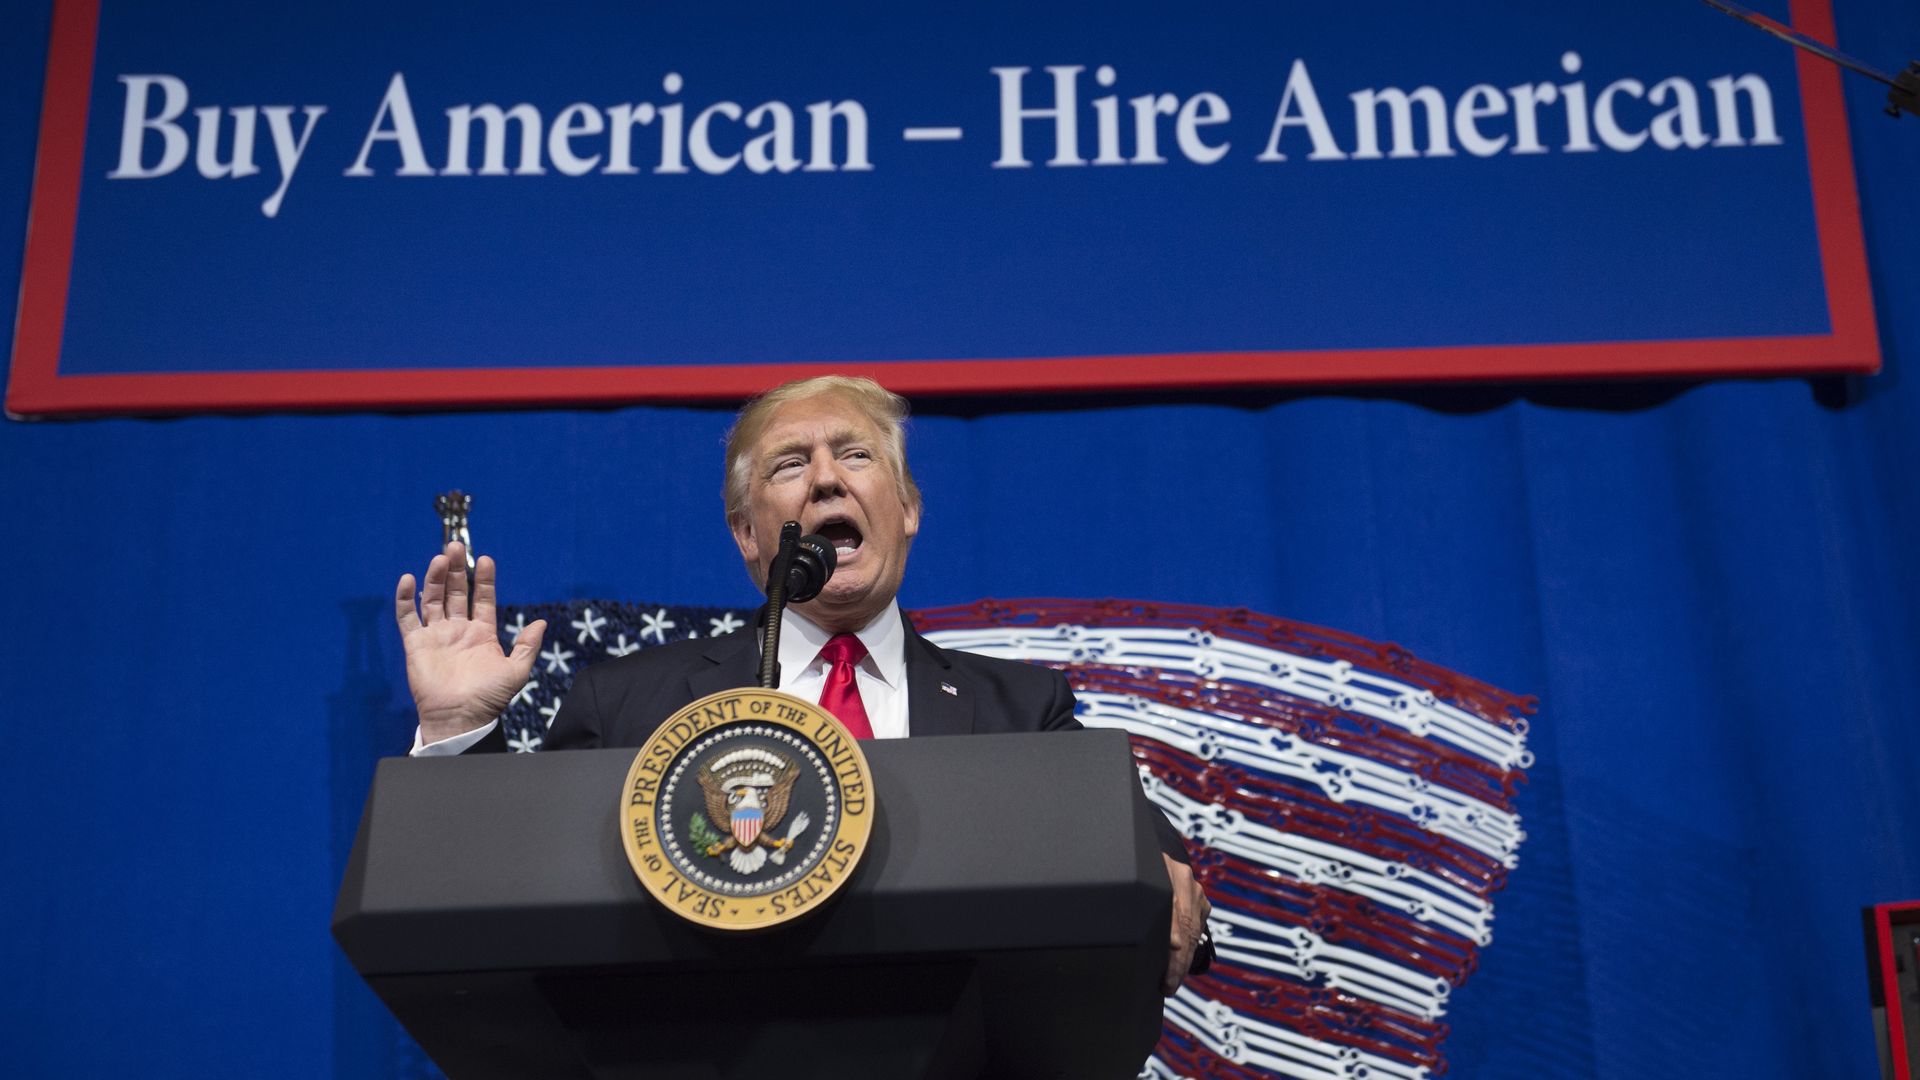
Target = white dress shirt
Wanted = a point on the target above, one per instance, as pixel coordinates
(881, 676)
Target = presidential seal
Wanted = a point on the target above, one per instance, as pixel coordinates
(746, 809)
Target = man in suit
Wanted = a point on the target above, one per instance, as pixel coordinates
(829, 453)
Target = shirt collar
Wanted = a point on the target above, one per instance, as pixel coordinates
(801, 640)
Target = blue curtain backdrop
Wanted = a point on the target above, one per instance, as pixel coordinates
(1712, 588)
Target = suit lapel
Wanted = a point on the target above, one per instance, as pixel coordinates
(734, 662)
(939, 701)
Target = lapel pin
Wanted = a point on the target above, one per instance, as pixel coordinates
(947, 688)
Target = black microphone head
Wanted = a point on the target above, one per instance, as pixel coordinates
(813, 563)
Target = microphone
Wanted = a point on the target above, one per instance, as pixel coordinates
(801, 567)
(813, 562)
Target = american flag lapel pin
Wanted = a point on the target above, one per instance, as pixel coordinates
(947, 688)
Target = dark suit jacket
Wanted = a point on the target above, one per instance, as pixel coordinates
(620, 702)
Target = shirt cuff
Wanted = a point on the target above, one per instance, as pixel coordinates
(448, 747)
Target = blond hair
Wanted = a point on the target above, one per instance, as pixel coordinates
(885, 409)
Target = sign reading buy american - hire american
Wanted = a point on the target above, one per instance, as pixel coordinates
(244, 205)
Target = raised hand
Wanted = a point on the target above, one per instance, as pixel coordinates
(459, 677)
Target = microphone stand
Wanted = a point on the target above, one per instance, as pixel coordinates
(776, 606)
(1903, 94)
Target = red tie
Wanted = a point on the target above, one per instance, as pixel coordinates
(842, 695)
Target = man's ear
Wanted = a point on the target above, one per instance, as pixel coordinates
(913, 521)
(742, 528)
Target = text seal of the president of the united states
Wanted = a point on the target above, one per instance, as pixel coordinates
(746, 809)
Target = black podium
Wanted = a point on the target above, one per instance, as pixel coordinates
(1009, 920)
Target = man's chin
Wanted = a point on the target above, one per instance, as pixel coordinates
(849, 601)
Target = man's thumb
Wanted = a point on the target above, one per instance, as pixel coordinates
(526, 646)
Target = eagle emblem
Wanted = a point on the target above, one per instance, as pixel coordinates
(747, 792)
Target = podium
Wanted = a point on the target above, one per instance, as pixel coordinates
(1009, 919)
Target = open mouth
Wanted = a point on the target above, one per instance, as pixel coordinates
(842, 535)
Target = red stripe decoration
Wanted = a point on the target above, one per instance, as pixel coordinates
(1350, 809)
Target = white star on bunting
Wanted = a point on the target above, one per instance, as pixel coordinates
(656, 624)
(525, 696)
(557, 658)
(589, 626)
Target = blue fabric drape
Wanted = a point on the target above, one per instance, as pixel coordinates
(1712, 588)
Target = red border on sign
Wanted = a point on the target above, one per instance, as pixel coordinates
(37, 387)
(1897, 1033)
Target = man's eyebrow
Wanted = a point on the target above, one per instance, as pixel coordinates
(791, 446)
(838, 440)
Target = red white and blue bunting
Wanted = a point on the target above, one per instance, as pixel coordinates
(1350, 808)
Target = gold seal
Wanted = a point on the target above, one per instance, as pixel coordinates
(746, 809)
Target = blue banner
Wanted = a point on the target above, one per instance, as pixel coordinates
(351, 205)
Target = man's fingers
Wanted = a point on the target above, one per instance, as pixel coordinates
(433, 598)
(484, 573)
(1179, 958)
(403, 609)
(1190, 911)
(1183, 940)
(456, 580)
(526, 646)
